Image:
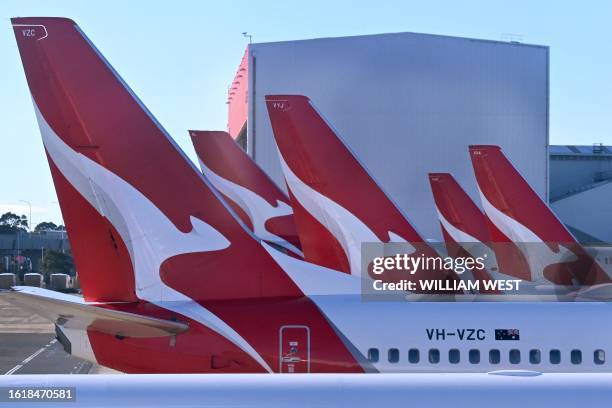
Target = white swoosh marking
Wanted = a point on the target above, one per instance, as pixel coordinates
(149, 235)
(349, 230)
(256, 207)
(482, 250)
(315, 280)
(538, 256)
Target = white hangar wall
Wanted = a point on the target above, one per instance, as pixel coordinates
(409, 104)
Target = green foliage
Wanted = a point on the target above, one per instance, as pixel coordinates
(57, 262)
(49, 226)
(11, 223)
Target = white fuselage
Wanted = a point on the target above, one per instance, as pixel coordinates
(581, 327)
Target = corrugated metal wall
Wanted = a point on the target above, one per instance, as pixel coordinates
(572, 173)
(408, 104)
(588, 211)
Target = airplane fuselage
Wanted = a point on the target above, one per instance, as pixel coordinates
(377, 336)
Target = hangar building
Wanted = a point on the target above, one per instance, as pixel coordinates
(407, 104)
(581, 190)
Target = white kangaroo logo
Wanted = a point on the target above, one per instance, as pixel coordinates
(149, 235)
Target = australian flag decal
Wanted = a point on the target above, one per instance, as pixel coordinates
(507, 334)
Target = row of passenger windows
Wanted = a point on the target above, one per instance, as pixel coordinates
(514, 356)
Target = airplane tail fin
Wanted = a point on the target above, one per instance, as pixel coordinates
(337, 204)
(143, 222)
(259, 203)
(462, 223)
(515, 213)
(460, 219)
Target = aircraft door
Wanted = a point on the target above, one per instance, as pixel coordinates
(294, 349)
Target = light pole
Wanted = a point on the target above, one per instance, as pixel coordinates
(57, 203)
(64, 230)
(29, 219)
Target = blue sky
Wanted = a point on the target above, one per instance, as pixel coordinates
(180, 56)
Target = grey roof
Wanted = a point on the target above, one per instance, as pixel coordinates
(508, 42)
(571, 150)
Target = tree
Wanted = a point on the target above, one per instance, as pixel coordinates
(57, 262)
(11, 223)
(49, 226)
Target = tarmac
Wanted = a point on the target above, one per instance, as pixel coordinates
(28, 346)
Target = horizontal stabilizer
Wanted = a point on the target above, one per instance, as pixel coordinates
(73, 312)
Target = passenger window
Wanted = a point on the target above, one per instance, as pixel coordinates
(434, 356)
(393, 355)
(413, 356)
(535, 356)
(453, 356)
(494, 356)
(555, 356)
(515, 356)
(576, 357)
(474, 356)
(599, 357)
(373, 355)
